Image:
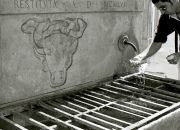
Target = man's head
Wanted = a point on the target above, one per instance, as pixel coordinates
(156, 1)
(166, 6)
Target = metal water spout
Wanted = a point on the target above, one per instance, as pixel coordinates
(123, 43)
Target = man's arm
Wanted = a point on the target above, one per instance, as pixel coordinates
(151, 50)
(148, 52)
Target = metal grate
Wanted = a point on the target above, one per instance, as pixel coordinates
(126, 103)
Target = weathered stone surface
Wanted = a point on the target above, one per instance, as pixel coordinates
(96, 55)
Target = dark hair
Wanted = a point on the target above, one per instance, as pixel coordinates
(156, 1)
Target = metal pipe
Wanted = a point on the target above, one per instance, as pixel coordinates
(123, 42)
(131, 44)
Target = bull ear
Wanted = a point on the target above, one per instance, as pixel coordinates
(82, 26)
(29, 26)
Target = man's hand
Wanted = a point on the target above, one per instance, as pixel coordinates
(173, 58)
(135, 62)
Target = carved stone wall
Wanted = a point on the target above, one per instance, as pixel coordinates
(51, 45)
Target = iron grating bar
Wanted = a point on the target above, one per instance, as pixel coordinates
(123, 102)
(161, 82)
(105, 97)
(33, 122)
(150, 88)
(145, 95)
(145, 109)
(88, 100)
(137, 124)
(132, 110)
(165, 80)
(95, 97)
(63, 107)
(160, 101)
(157, 100)
(135, 116)
(111, 119)
(146, 92)
(118, 110)
(102, 122)
(97, 114)
(102, 116)
(7, 124)
(81, 102)
(91, 124)
(76, 118)
(161, 86)
(123, 107)
(105, 116)
(114, 105)
(81, 113)
(55, 120)
(56, 110)
(73, 105)
(169, 103)
(135, 100)
(97, 108)
(150, 101)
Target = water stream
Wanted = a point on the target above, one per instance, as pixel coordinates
(140, 68)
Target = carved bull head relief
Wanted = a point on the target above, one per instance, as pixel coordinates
(55, 43)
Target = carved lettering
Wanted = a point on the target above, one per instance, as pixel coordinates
(114, 4)
(16, 4)
(27, 5)
(121, 4)
(111, 4)
(36, 4)
(40, 3)
(50, 3)
(74, 4)
(32, 3)
(55, 4)
(88, 4)
(45, 3)
(21, 4)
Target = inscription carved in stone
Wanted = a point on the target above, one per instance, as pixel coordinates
(54, 44)
(75, 6)
(31, 4)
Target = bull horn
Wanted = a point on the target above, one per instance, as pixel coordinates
(29, 26)
(38, 35)
(82, 26)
